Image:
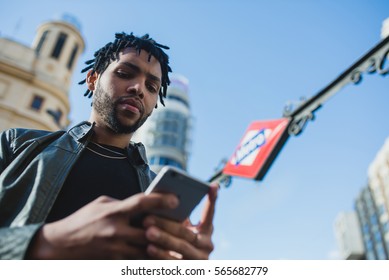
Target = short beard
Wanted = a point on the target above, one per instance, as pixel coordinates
(107, 109)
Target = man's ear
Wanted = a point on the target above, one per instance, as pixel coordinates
(91, 80)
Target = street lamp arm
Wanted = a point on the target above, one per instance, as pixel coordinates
(372, 62)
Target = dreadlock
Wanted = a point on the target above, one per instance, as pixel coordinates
(110, 51)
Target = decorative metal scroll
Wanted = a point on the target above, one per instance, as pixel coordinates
(373, 61)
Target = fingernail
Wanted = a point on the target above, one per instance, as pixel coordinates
(153, 233)
(173, 202)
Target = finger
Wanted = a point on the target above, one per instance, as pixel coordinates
(161, 254)
(140, 203)
(206, 222)
(182, 231)
(125, 251)
(174, 228)
(105, 199)
(204, 242)
(125, 242)
(169, 242)
(132, 235)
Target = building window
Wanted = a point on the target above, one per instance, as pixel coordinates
(152, 160)
(56, 115)
(385, 227)
(373, 219)
(169, 125)
(178, 99)
(165, 161)
(377, 236)
(41, 41)
(3, 87)
(72, 57)
(381, 209)
(37, 102)
(365, 229)
(59, 45)
(381, 254)
(168, 140)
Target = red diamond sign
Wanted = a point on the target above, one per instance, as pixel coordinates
(258, 148)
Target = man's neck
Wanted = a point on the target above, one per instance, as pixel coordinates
(105, 135)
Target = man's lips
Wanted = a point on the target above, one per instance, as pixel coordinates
(131, 104)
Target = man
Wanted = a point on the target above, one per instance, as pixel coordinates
(73, 195)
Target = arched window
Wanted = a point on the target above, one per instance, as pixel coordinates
(72, 56)
(41, 41)
(59, 45)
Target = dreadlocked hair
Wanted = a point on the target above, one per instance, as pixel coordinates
(104, 56)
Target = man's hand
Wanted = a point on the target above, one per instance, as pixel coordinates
(99, 230)
(172, 240)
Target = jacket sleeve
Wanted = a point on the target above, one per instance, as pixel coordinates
(14, 241)
(5, 149)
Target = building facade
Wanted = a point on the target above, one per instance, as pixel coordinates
(166, 134)
(349, 237)
(378, 174)
(370, 226)
(372, 210)
(35, 81)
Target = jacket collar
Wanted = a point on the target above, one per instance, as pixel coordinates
(83, 131)
(138, 152)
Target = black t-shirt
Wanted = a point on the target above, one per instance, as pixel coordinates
(100, 170)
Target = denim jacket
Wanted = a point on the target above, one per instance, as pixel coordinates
(34, 165)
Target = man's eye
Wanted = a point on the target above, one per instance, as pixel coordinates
(152, 88)
(122, 74)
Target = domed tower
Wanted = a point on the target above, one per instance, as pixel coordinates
(166, 134)
(35, 81)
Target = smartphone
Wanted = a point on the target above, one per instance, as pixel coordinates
(189, 191)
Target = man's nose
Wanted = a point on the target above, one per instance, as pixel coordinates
(136, 89)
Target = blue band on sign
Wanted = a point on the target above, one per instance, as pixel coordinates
(253, 144)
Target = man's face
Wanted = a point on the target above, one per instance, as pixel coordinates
(127, 91)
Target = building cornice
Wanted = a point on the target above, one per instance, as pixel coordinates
(42, 123)
(30, 77)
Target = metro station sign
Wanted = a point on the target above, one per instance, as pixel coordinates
(258, 148)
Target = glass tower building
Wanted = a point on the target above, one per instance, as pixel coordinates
(371, 228)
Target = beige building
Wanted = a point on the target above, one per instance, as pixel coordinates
(34, 81)
(379, 185)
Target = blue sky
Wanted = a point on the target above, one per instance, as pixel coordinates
(245, 60)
